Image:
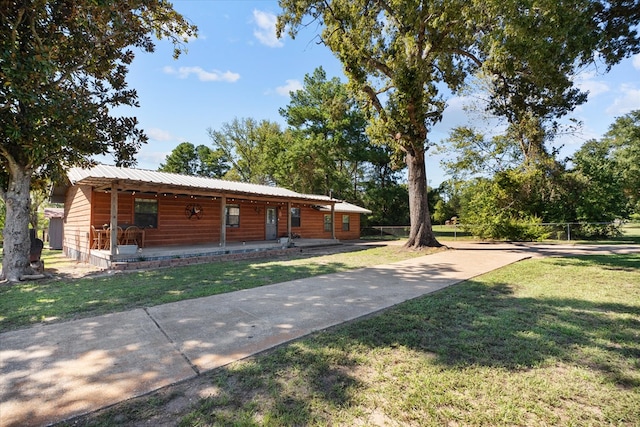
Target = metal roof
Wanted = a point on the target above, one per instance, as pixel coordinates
(54, 213)
(103, 176)
(344, 207)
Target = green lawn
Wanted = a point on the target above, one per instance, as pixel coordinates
(541, 342)
(27, 303)
(631, 230)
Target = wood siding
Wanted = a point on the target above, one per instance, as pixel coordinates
(354, 226)
(174, 227)
(312, 224)
(77, 222)
(85, 207)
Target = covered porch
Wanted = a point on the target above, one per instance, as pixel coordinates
(167, 256)
(177, 219)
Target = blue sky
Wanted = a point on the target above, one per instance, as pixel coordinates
(237, 68)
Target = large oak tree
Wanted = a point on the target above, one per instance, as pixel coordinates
(401, 55)
(63, 67)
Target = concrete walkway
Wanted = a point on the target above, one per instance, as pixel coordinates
(54, 372)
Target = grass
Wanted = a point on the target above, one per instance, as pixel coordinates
(630, 235)
(27, 303)
(542, 342)
(631, 230)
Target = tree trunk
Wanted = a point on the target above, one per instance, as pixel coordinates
(421, 233)
(16, 228)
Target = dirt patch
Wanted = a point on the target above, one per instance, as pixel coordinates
(72, 270)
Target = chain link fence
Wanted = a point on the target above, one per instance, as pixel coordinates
(565, 231)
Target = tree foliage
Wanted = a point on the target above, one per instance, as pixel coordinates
(394, 54)
(63, 67)
(201, 161)
(530, 59)
(600, 196)
(471, 153)
(399, 55)
(246, 144)
(324, 150)
(327, 124)
(490, 211)
(624, 139)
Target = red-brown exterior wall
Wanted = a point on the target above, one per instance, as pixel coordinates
(85, 207)
(77, 222)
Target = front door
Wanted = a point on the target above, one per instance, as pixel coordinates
(272, 224)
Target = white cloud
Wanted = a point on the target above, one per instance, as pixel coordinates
(586, 82)
(636, 61)
(290, 86)
(266, 28)
(159, 134)
(628, 101)
(203, 75)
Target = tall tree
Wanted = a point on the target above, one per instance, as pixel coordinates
(530, 60)
(601, 195)
(623, 137)
(397, 53)
(324, 113)
(201, 161)
(244, 143)
(63, 66)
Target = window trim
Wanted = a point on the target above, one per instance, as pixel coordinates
(149, 202)
(228, 216)
(328, 225)
(296, 219)
(346, 225)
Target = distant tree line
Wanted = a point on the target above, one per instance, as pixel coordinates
(500, 193)
(498, 187)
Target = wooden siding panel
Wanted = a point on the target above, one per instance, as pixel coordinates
(354, 226)
(253, 218)
(77, 222)
(311, 224)
(85, 207)
(175, 228)
(101, 212)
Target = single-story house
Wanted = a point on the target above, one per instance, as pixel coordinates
(169, 210)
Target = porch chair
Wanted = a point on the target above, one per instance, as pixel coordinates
(119, 235)
(131, 234)
(95, 238)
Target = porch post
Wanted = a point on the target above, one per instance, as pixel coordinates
(223, 221)
(289, 220)
(113, 238)
(333, 221)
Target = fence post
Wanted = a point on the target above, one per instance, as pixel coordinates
(569, 231)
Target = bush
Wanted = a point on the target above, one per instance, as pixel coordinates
(597, 231)
(510, 228)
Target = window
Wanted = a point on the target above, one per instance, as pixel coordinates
(295, 217)
(345, 222)
(328, 225)
(233, 215)
(145, 213)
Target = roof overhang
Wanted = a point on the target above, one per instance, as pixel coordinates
(106, 178)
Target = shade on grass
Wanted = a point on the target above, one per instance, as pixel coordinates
(542, 342)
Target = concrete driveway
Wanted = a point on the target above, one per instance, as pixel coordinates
(54, 372)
